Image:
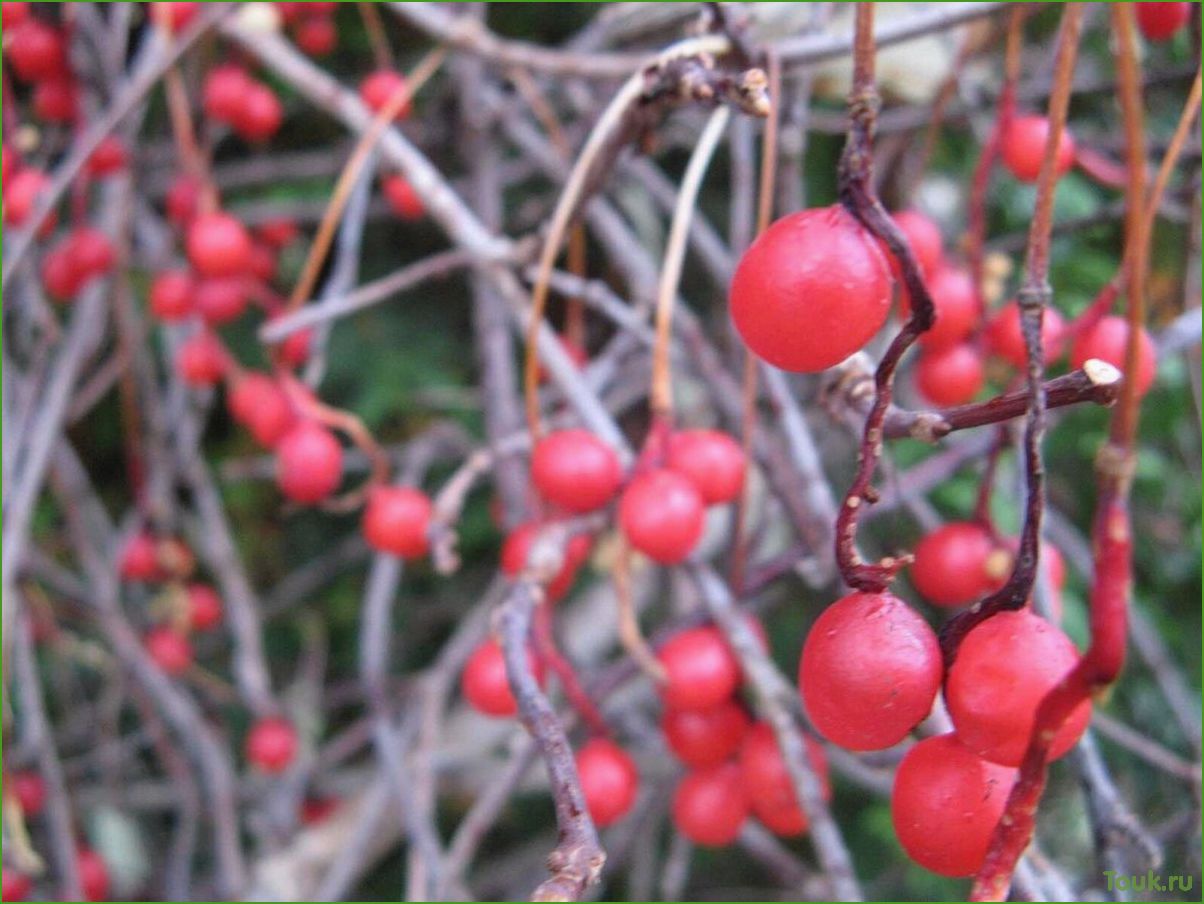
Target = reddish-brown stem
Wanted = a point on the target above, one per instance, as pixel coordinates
(178, 111)
(550, 655)
(382, 55)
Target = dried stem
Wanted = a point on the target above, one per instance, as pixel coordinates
(630, 635)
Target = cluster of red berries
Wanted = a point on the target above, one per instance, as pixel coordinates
(232, 96)
(312, 26)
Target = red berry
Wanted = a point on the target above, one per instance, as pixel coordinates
(218, 245)
(170, 649)
(263, 262)
(956, 305)
(171, 295)
(396, 521)
(316, 35)
(315, 810)
(220, 300)
(9, 161)
(950, 376)
(609, 780)
(278, 233)
(204, 607)
(259, 115)
(1023, 148)
(575, 470)
(258, 402)
(309, 463)
(15, 886)
(662, 515)
(945, 804)
(1160, 21)
(13, 14)
(1005, 339)
(93, 874)
(869, 672)
(378, 89)
(56, 99)
(701, 670)
(705, 737)
(1108, 341)
(181, 200)
(29, 789)
(36, 51)
(710, 806)
(61, 278)
(517, 548)
(402, 198)
(294, 350)
(21, 195)
(484, 682)
(176, 15)
(1004, 667)
(768, 784)
(91, 251)
(811, 290)
(140, 559)
(201, 359)
(109, 157)
(272, 744)
(924, 236)
(711, 460)
(956, 564)
(223, 91)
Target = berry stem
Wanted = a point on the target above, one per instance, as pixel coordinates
(382, 54)
(547, 650)
(630, 635)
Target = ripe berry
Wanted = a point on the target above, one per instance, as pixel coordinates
(91, 250)
(56, 99)
(93, 874)
(710, 806)
(109, 157)
(609, 780)
(517, 548)
(768, 784)
(259, 115)
(218, 245)
(316, 35)
(13, 14)
(377, 89)
(1160, 21)
(956, 564)
(1005, 339)
(140, 559)
(575, 470)
(170, 649)
(201, 359)
(484, 682)
(811, 290)
(181, 200)
(204, 607)
(1108, 341)
(869, 672)
(14, 886)
(9, 162)
(711, 460)
(950, 376)
(945, 804)
(705, 737)
(1003, 669)
(21, 195)
(316, 810)
(61, 278)
(220, 300)
(258, 402)
(1023, 148)
(662, 515)
(956, 306)
(171, 295)
(294, 350)
(176, 15)
(36, 51)
(272, 744)
(402, 198)
(701, 670)
(29, 789)
(278, 233)
(396, 520)
(223, 91)
(924, 236)
(309, 463)
(263, 262)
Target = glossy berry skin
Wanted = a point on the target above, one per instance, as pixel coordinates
(221, 300)
(710, 805)
(201, 360)
(484, 683)
(93, 874)
(223, 90)
(1023, 148)
(575, 470)
(956, 305)
(171, 295)
(1005, 339)
(109, 157)
(1108, 341)
(517, 548)
(36, 51)
(711, 460)
(15, 885)
(316, 35)
(378, 89)
(1160, 21)
(609, 780)
(204, 607)
(56, 100)
(700, 668)
(953, 564)
(259, 115)
(924, 236)
(271, 745)
(945, 805)
(870, 670)
(218, 245)
(258, 402)
(309, 463)
(402, 198)
(140, 559)
(701, 738)
(950, 376)
(29, 789)
(662, 515)
(170, 650)
(811, 290)
(1004, 667)
(768, 784)
(396, 520)
(21, 195)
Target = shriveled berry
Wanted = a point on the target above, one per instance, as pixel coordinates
(609, 780)
(701, 671)
(1023, 148)
(309, 463)
(711, 460)
(396, 521)
(710, 805)
(662, 515)
(575, 470)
